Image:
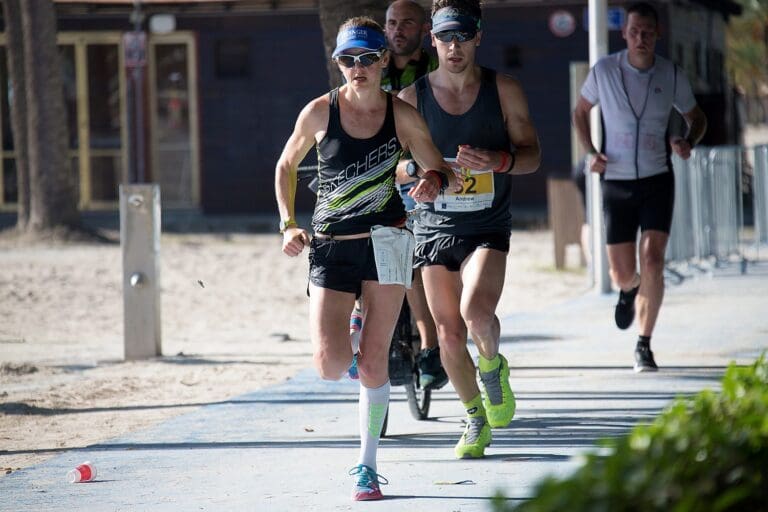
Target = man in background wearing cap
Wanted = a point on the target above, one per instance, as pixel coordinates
(359, 132)
(481, 119)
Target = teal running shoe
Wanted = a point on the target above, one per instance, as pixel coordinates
(367, 483)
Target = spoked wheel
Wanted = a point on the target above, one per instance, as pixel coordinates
(418, 398)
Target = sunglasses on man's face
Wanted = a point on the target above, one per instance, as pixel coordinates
(365, 59)
(460, 35)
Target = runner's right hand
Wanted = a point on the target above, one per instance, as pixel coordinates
(597, 162)
(294, 240)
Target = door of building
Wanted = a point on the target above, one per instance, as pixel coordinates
(95, 99)
(174, 118)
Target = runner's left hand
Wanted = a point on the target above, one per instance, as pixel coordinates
(478, 159)
(426, 189)
(681, 147)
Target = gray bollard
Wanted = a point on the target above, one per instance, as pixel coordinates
(140, 242)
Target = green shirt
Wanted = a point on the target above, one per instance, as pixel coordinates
(397, 79)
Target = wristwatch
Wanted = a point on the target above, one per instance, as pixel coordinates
(286, 223)
(412, 169)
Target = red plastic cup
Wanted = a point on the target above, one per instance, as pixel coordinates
(85, 472)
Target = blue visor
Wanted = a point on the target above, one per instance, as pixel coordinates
(359, 37)
(450, 18)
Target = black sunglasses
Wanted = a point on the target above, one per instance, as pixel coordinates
(460, 35)
(365, 59)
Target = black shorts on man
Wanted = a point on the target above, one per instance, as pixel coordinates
(451, 251)
(342, 265)
(646, 204)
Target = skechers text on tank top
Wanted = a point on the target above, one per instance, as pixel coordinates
(356, 187)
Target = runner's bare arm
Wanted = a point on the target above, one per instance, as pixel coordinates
(310, 126)
(409, 96)
(697, 126)
(522, 133)
(581, 122)
(526, 156)
(414, 136)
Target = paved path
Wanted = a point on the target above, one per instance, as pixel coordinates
(290, 447)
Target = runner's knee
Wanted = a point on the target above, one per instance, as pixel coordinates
(451, 340)
(330, 366)
(623, 277)
(652, 262)
(478, 320)
(375, 368)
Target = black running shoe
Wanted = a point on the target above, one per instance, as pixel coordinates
(625, 308)
(431, 372)
(644, 360)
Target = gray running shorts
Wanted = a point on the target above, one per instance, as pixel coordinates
(451, 251)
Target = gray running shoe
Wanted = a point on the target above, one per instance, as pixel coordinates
(498, 399)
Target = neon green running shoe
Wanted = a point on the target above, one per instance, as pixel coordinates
(498, 399)
(476, 436)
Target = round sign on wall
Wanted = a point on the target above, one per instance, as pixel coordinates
(562, 23)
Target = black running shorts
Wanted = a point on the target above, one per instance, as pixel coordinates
(451, 251)
(646, 203)
(342, 265)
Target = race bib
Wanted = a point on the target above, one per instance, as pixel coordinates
(393, 252)
(476, 194)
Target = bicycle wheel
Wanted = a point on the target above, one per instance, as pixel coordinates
(418, 398)
(384, 425)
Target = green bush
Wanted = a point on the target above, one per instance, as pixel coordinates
(706, 453)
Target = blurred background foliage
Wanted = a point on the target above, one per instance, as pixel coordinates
(747, 58)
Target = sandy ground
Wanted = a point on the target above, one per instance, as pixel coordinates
(234, 317)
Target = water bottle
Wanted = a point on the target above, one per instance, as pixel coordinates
(84, 472)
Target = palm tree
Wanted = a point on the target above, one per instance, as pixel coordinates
(48, 190)
(15, 45)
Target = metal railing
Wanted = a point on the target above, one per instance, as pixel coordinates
(760, 193)
(708, 224)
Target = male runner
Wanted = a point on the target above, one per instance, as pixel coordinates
(481, 118)
(406, 27)
(637, 90)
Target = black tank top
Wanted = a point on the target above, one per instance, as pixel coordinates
(356, 187)
(481, 126)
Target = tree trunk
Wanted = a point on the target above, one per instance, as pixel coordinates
(15, 53)
(335, 12)
(53, 181)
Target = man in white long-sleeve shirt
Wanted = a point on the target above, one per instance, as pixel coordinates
(637, 90)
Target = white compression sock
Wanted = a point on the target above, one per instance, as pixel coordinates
(373, 409)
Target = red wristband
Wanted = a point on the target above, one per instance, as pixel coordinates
(441, 178)
(504, 161)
